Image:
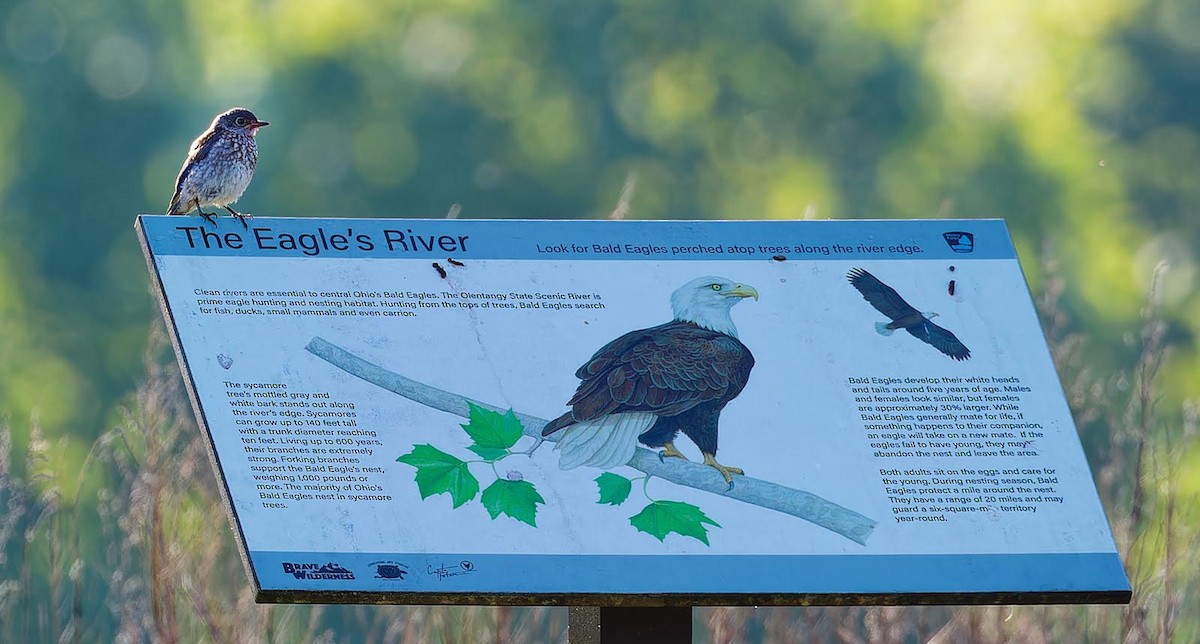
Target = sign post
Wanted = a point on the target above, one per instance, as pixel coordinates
(624, 413)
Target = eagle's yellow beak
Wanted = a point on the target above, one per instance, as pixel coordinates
(743, 290)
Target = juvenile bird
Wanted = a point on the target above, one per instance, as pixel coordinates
(219, 166)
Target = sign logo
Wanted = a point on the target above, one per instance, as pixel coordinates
(960, 242)
(317, 571)
(442, 571)
(389, 570)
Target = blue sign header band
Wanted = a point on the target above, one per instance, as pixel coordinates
(780, 240)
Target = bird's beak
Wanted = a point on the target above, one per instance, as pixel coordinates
(257, 124)
(743, 290)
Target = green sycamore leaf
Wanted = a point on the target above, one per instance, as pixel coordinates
(489, 454)
(614, 488)
(661, 518)
(517, 499)
(492, 430)
(439, 472)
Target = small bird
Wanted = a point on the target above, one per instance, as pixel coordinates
(219, 166)
(887, 301)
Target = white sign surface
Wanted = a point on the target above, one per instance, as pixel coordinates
(764, 409)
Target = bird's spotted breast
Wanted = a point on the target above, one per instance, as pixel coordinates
(223, 180)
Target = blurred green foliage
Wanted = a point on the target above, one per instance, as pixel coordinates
(1074, 120)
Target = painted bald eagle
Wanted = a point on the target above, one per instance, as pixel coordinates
(903, 316)
(649, 385)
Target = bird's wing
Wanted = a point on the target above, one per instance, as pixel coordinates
(881, 296)
(198, 152)
(941, 339)
(665, 370)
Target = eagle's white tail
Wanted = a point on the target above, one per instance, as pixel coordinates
(882, 328)
(605, 442)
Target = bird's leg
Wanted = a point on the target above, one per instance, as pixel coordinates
(669, 450)
(210, 217)
(725, 470)
(239, 216)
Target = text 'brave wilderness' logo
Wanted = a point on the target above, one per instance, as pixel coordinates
(317, 571)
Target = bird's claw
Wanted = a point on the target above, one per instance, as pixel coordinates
(726, 471)
(210, 217)
(669, 450)
(239, 216)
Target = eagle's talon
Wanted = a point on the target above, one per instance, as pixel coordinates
(669, 450)
(725, 470)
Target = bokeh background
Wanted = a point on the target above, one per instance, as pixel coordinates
(1077, 121)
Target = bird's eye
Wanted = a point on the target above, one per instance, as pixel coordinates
(715, 287)
(241, 120)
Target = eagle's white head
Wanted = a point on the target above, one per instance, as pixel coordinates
(706, 301)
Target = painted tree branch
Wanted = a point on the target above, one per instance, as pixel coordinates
(797, 503)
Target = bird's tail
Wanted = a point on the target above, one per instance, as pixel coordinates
(177, 207)
(882, 328)
(605, 442)
(558, 423)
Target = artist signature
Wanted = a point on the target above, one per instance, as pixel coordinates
(453, 570)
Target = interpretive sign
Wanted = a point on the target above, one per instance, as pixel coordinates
(632, 412)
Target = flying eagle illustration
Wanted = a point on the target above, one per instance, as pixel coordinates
(904, 316)
(648, 385)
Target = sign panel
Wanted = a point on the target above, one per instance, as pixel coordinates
(753, 412)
